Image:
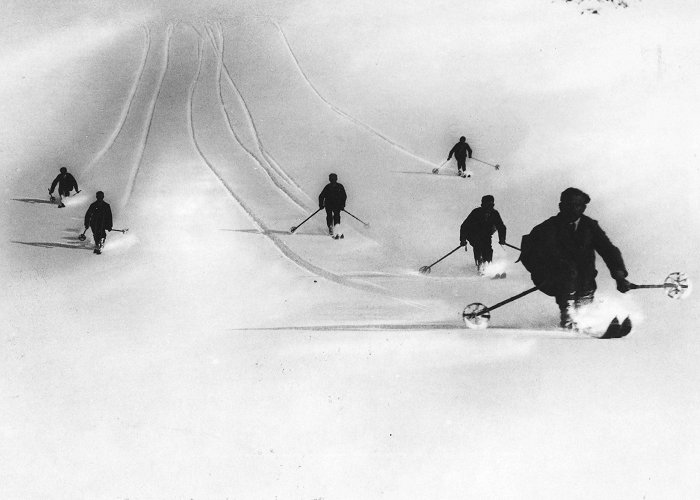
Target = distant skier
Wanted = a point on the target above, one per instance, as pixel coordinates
(99, 218)
(461, 150)
(478, 229)
(66, 182)
(332, 198)
(559, 253)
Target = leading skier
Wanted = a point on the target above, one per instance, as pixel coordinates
(560, 255)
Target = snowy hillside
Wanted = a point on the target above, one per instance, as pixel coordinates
(211, 353)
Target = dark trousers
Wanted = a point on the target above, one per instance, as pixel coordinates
(461, 164)
(99, 234)
(332, 216)
(483, 252)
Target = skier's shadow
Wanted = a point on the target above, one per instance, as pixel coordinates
(52, 244)
(33, 201)
(256, 231)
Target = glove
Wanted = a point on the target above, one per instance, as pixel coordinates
(109, 229)
(501, 243)
(623, 286)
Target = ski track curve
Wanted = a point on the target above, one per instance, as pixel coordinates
(154, 100)
(263, 150)
(282, 247)
(272, 165)
(250, 119)
(127, 108)
(339, 111)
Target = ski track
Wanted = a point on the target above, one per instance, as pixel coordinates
(339, 111)
(126, 109)
(154, 101)
(257, 221)
(251, 120)
(270, 168)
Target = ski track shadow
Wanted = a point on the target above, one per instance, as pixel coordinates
(361, 327)
(34, 201)
(50, 244)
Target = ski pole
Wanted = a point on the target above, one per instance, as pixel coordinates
(477, 314)
(294, 228)
(365, 223)
(511, 246)
(121, 230)
(437, 169)
(426, 269)
(677, 285)
(496, 166)
(82, 236)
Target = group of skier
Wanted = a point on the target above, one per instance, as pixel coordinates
(559, 253)
(99, 214)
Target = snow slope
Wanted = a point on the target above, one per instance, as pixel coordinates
(209, 353)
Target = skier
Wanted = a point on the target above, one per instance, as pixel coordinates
(66, 182)
(99, 218)
(461, 150)
(332, 198)
(478, 229)
(559, 253)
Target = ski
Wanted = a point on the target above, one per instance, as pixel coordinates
(617, 330)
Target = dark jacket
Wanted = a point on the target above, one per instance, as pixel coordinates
(66, 182)
(99, 217)
(560, 258)
(460, 150)
(480, 225)
(333, 196)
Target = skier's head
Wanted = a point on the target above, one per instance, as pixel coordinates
(572, 203)
(100, 195)
(333, 178)
(462, 139)
(487, 201)
(63, 170)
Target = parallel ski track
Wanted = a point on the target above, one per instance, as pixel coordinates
(257, 221)
(129, 103)
(339, 111)
(303, 202)
(154, 100)
(251, 121)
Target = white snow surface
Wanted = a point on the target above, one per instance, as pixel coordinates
(210, 353)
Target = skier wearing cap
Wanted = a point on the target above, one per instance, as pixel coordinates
(99, 218)
(461, 150)
(478, 229)
(66, 182)
(332, 198)
(560, 255)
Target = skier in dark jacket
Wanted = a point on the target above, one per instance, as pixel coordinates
(332, 198)
(478, 229)
(99, 218)
(66, 182)
(560, 255)
(461, 150)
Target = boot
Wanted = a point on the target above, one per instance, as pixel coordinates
(566, 314)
